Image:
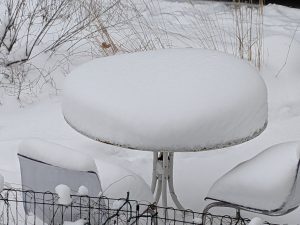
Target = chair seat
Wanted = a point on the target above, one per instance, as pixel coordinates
(268, 183)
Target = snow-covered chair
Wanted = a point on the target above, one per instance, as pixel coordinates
(268, 184)
(44, 165)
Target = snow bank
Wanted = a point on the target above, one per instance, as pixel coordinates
(56, 155)
(176, 99)
(264, 182)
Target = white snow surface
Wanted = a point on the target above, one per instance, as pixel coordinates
(83, 190)
(197, 220)
(64, 194)
(264, 182)
(117, 204)
(42, 118)
(1, 182)
(77, 222)
(117, 181)
(256, 221)
(56, 155)
(175, 100)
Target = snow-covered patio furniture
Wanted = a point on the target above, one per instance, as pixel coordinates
(45, 165)
(166, 101)
(269, 183)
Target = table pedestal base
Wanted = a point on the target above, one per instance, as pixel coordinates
(162, 178)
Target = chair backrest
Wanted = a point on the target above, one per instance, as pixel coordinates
(269, 183)
(45, 165)
(42, 177)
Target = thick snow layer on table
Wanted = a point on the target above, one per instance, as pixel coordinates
(175, 100)
(264, 182)
(56, 155)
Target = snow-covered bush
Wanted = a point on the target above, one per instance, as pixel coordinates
(31, 32)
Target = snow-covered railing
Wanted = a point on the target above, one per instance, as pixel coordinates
(35, 208)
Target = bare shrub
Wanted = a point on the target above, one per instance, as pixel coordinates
(35, 29)
(127, 26)
(38, 37)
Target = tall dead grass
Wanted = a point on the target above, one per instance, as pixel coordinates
(249, 31)
(140, 25)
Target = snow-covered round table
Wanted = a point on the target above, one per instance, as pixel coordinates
(166, 101)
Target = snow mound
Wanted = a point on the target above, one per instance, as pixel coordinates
(77, 222)
(118, 181)
(56, 155)
(64, 194)
(256, 221)
(197, 220)
(117, 204)
(265, 182)
(176, 100)
(83, 191)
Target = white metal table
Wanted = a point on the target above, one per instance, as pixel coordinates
(167, 101)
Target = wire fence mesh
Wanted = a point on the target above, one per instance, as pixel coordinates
(19, 207)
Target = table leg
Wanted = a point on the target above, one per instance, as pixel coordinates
(165, 178)
(158, 191)
(154, 172)
(171, 184)
(162, 178)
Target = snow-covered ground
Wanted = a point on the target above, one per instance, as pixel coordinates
(44, 119)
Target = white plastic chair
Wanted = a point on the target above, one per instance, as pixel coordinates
(268, 184)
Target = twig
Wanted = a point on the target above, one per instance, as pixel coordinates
(288, 53)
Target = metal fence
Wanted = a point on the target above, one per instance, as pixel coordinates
(19, 207)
